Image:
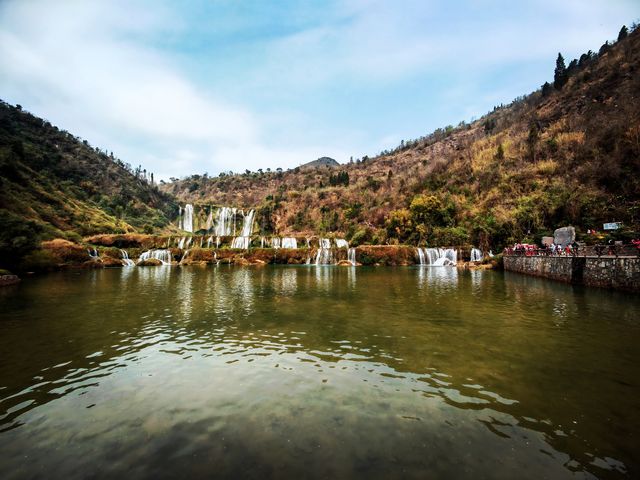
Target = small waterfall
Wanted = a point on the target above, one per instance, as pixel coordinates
(163, 255)
(247, 223)
(185, 220)
(289, 242)
(476, 255)
(217, 242)
(308, 244)
(225, 222)
(261, 242)
(351, 256)
(126, 260)
(325, 253)
(181, 242)
(276, 242)
(93, 253)
(209, 242)
(341, 243)
(241, 242)
(184, 255)
(209, 223)
(437, 257)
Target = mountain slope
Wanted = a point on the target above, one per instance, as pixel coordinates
(554, 157)
(55, 185)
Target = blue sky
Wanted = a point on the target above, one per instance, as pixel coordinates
(209, 86)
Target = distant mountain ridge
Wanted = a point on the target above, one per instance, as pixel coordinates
(321, 162)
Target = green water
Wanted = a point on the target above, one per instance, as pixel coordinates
(304, 372)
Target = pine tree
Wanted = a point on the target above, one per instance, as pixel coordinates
(546, 89)
(624, 31)
(560, 73)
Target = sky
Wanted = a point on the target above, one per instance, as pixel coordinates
(227, 85)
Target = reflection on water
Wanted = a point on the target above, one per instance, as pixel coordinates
(316, 372)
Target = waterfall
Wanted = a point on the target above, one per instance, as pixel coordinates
(184, 255)
(209, 223)
(126, 260)
(289, 242)
(308, 244)
(351, 255)
(182, 242)
(224, 225)
(185, 221)
(341, 243)
(241, 242)
(247, 223)
(261, 242)
(437, 257)
(93, 253)
(325, 253)
(275, 242)
(476, 255)
(209, 242)
(163, 255)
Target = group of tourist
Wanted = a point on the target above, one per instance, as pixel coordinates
(529, 250)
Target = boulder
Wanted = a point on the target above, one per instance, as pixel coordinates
(564, 236)
(150, 262)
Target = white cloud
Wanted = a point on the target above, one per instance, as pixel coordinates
(102, 70)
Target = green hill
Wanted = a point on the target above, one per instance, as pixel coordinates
(53, 184)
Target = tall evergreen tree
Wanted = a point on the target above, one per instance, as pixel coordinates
(560, 73)
(624, 31)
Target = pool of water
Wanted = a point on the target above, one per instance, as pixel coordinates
(305, 372)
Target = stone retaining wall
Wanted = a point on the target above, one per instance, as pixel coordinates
(621, 273)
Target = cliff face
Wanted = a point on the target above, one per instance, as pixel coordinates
(567, 156)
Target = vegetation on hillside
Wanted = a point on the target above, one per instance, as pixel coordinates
(53, 184)
(568, 153)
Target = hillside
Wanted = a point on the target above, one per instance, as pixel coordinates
(53, 184)
(565, 154)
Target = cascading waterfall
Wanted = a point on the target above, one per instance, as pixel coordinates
(93, 253)
(325, 253)
(275, 242)
(289, 242)
(241, 242)
(437, 257)
(247, 224)
(209, 223)
(224, 225)
(163, 255)
(185, 221)
(476, 255)
(351, 256)
(244, 240)
(126, 260)
(341, 243)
